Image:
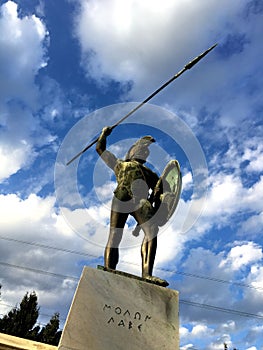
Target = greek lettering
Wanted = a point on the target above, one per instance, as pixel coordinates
(118, 310)
(111, 320)
(106, 307)
(127, 312)
(147, 318)
(121, 323)
(126, 319)
(139, 316)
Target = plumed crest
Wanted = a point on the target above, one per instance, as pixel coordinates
(145, 141)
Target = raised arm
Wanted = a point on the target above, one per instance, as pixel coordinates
(108, 157)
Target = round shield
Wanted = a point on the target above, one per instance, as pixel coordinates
(169, 185)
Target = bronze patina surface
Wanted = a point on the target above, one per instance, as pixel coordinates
(139, 193)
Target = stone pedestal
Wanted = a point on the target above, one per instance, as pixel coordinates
(112, 311)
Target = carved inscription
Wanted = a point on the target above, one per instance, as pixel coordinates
(124, 318)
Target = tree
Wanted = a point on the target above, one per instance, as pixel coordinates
(50, 333)
(21, 322)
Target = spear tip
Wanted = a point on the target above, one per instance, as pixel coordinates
(198, 58)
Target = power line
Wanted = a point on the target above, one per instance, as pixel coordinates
(176, 272)
(221, 309)
(53, 274)
(70, 251)
(183, 301)
(213, 279)
(40, 245)
(40, 314)
(37, 323)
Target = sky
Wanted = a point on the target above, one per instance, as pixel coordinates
(69, 68)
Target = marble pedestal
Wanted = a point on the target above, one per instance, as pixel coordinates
(112, 311)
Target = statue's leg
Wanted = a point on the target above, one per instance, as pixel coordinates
(149, 245)
(148, 250)
(111, 253)
(144, 217)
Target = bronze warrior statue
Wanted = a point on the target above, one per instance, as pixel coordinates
(134, 195)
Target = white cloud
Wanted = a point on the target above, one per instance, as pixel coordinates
(241, 264)
(220, 285)
(146, 42)
(200, 330)
(241, 256)
(254, 154)
(223, 195)
(253, 296)
(227, 198)
(187, 181)
(12, 158)
(194, 333)
(34, 220)
(256, 277)
(219, 342)
(187, 347)
(183, 331)
(252, 227)
(22, 54)
(140, 37)
(254, 333)
(252, 198)
(32, 209)
(203, 262)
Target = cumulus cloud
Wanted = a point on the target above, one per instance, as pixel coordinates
(146, 43)
(243, 255)
(253, 333)
(38, 225)
(251, 227)
(213, 279)
(202, 262)
(13, 158)
(140, 37)
(217, 282)
(227, 198)
(197, 331)
(22, 54)
(253, 296)
(33, 208)
(254, 155)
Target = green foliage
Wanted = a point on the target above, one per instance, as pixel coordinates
(50, 333)
(21, 322)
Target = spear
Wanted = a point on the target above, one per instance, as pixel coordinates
(177, 75)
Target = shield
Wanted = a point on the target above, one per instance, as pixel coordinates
(168, 189)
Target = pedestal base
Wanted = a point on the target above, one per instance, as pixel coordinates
(112, 311)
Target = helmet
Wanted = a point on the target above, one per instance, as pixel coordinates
(140, 149)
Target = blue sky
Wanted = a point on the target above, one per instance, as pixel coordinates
(68, 68)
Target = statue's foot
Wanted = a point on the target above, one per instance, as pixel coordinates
(157, 280)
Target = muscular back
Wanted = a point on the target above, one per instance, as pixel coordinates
(134, 180)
